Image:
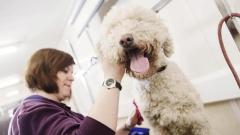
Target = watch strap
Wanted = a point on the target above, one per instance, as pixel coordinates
(118, 85)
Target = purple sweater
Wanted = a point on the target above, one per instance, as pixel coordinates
(40, 116)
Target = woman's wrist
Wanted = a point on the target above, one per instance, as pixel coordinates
(115, 72)
(115, 77)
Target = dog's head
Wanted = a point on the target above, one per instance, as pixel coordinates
(135, 36)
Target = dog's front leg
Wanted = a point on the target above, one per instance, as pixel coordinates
(167, 116)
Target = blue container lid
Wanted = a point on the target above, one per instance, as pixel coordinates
(139, 131)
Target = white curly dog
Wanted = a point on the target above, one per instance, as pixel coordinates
(136, 37)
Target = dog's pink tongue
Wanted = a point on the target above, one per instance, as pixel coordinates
(139, 64)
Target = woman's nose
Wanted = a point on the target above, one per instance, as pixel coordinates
(70, 77)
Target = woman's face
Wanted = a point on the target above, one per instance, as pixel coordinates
(64, 82)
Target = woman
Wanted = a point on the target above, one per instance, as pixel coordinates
(50, 75)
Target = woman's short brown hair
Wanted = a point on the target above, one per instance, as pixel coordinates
(43, 66)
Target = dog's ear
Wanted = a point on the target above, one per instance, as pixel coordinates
(168, 47)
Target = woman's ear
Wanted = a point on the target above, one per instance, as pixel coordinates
(168, 47)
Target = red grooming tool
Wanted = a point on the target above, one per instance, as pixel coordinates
(139, 116)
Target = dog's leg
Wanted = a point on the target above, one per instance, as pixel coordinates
(167, 116)
(160, 119)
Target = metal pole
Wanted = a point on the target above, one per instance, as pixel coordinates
(79, 8)
(96, 8)
(161, 4)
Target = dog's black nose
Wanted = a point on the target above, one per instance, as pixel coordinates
(126, 41)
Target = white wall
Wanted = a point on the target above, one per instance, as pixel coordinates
(193, 24)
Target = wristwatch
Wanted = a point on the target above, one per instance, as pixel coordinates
(111, 83)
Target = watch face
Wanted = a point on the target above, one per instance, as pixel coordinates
(109, 82)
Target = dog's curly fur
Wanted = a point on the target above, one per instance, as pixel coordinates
(167, 99)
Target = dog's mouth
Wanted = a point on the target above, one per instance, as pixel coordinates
(138, 60)
(139, 63)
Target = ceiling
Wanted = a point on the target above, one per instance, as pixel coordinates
(29, 25)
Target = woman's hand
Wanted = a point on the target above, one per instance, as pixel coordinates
(112, 69)
(133, 120)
